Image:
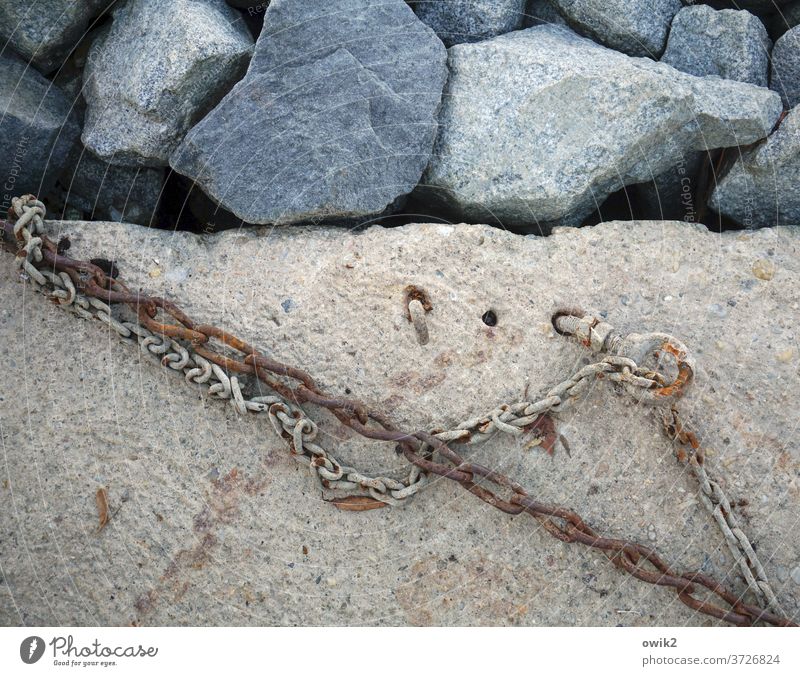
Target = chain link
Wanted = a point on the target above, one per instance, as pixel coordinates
(688, 451)
(87, 291)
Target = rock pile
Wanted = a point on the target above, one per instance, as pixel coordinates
(524, 113)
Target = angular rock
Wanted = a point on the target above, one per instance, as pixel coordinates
(38, 130)
(541, 125)
(44, 33)
(335, 118)
(216, 509)
(785, 75)
(160, 68)
(103, 191)
(636, 27)
(760, 190)
(457, 21)
(728, 43)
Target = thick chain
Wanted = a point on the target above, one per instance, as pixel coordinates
(183, 345)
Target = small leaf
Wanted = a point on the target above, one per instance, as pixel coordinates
(357, 503)
(101, 497)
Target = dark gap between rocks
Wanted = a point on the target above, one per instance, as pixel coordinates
(185, 207)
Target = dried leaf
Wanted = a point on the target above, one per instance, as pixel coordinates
(101, 497)
(357, 503)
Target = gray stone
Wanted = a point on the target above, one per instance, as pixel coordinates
(44, 32)
(636, 27)
(91, 188)
(335, 118)
(539, 126)
(457, 21)
(542, 11)
(760, 189)
(223, 527)
(37, 131)
(103, 191)
(785, 75)
(160, 68)
(729, 43)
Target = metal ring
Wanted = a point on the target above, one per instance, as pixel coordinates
(638, 347)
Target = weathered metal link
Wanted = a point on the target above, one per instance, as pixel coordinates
(688, 451)
(184, 346)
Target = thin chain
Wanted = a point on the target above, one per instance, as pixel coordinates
(688, 451)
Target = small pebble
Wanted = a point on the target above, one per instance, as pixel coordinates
(787, 355)
(796, 575)
(764, 269)
(718, 310)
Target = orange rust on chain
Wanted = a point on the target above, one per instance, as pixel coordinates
(418, 447)
(685, 373)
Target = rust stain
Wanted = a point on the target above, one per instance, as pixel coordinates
(430, 381)
(222, 507)
(417, 382)
(487, 592)
(444, 359)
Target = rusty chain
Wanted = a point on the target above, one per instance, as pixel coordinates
(204, 353)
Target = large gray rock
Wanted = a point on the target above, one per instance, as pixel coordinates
(785, 75)
(729, 43)
(636, 27)
(160, 68)
(760, 189)
(212, 521)
(44, 32)
(458, 21)
(38, 129)
(541, 125)
(335, 118)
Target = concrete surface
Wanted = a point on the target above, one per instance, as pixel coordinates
(213, 522)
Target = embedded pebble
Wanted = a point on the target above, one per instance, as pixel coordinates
(796, 575)
(764, 269)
